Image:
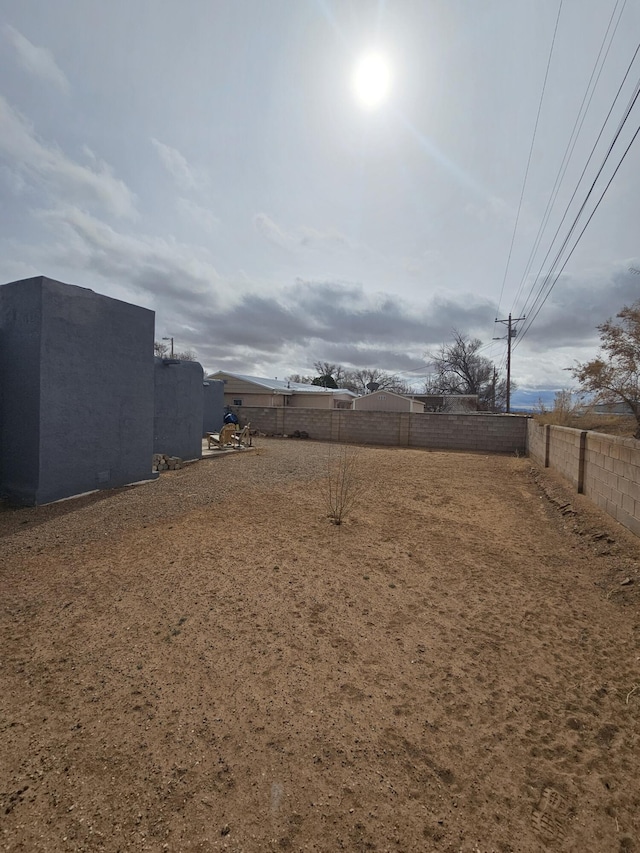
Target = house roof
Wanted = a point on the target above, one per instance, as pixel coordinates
(392, 393)
(282, 386)
(446, 396)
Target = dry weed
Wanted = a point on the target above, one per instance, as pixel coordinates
(342, 486)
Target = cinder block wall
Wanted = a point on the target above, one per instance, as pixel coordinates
(564, 453)
(480, 432)
(612, 477)
(77, 391)
(317, 422)
(179, 403)
(536, 441)
(261, 418)
(605, 468)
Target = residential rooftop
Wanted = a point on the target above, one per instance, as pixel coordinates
(283, 385)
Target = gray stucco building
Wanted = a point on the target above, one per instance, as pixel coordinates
(179, 406)
(76, 391)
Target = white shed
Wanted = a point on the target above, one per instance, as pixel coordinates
(387, 401)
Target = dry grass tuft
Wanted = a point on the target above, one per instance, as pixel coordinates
(622, 425)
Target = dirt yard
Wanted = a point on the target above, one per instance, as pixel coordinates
(205, 663)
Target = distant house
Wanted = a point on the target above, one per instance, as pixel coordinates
(387, 401)
(241, 390)
(620, 408)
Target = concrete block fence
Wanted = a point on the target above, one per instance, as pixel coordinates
(604, 468)
(485, 433)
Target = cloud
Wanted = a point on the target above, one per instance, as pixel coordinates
(337, 321)
(39, 61)
(313, 239)
(13, 268)
(272, 232)
(326, 318)
(198, 215)
(412, 267)
(577, 305)
(302, 237)
(392, 360)
(251, 322)
(12, 180)
(164, 269)
(346, 313)
(492, 209)
(52, 170)
(261, 323)
(176, 165)
(270, 329)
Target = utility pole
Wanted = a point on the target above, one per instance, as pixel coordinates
(493, 391)
(511, 333)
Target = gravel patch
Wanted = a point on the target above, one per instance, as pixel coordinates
(205, 483)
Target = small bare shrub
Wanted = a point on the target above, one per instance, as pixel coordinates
(570, 410)
(343, 484)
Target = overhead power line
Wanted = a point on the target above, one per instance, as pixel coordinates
(573, 139)
(626, 151)
(533, 139)
(548, 277)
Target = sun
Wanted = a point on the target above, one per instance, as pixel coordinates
(371, 80)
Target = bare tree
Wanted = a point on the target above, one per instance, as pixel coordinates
(614, 375)
(458, 368)
(186, 355)
(161, 350)
(359, 381)
(324, 381)
(326, 368)
(302, 380)
(336, 376)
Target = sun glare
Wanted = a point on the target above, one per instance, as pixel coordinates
(371, 80)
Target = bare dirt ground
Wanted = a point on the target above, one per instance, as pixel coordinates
(205, 663)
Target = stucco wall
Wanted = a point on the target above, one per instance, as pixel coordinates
(311, 401)
(481, 432)
(213, 405)
(179, 405)
(235, 386)
(265, 399)
(381, 401)
(20, 335)
(605, 468)
(84, 417)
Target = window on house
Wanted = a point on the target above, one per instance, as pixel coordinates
(237, 402)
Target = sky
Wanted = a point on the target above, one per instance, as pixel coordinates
(212, 161)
